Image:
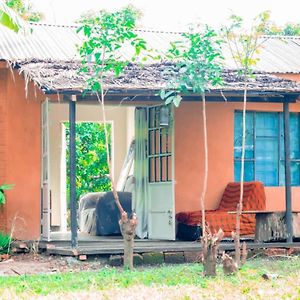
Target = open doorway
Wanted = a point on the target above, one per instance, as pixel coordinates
(120, 121)
(92, 174)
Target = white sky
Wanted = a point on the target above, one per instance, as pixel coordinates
(173, 14)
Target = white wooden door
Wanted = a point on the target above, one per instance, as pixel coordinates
(45, 203)
(161, 176)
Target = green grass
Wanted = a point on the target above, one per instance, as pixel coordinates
(106, 278)
(246, 281)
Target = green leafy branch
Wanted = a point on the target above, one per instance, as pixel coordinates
(12, 20)
(197, 64)
(108, 37)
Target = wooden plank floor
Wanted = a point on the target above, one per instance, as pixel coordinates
(99, 245)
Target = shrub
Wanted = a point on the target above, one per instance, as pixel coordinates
(5, 241)
(4, 187)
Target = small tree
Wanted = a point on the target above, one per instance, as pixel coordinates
(198, 67)
(244, 46)
(106, 34)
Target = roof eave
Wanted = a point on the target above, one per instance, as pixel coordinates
(146, 94)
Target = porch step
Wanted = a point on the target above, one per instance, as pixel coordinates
(149, 246)
(116, 243)
(116, 247)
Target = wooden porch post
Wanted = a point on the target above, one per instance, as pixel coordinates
(72, 150)
(287, 157)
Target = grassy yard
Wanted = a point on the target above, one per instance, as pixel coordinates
(165, 282)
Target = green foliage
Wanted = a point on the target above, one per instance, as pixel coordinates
(24, 10)
(5, 242)
(289, 29)
(91, 164)
(244, 44)
(170, 97)
(106, 34)
(4, 187)
(198, 64)
(268, 27)
(10, 19)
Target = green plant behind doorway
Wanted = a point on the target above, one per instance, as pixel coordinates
(5, 241)
(91, 164)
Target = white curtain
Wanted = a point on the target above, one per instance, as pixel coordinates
(141, 194)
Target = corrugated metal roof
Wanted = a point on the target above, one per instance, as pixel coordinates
(53, 42)
(45, 42)
(279, 55)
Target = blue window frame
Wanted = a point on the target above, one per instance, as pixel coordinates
(264, 148)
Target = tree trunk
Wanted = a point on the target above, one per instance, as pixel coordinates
(244, 254)
(205, 177)
(127, 225)
(210, 263)
(237, 235)
(209, 242)
(229, 265)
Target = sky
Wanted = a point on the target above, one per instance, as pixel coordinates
(173, 14)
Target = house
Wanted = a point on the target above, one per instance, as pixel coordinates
(39, 80)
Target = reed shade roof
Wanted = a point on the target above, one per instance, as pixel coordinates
(64, 76)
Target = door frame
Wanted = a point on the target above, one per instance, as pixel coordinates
(45, 173)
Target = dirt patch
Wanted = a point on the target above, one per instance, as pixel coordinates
(30, 264)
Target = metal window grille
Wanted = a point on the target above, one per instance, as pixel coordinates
(159, 148)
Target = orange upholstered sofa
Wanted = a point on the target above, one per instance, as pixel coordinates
(254, 199)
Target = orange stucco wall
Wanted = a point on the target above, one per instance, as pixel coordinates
(20, 154)
(189, 155)
(22, 157)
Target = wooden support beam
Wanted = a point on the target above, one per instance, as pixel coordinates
(135, 95)
(144, 99)
(72, 166)
(287, 157)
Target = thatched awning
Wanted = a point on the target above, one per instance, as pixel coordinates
(64, 77)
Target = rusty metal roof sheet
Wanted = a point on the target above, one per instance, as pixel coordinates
(59, 43)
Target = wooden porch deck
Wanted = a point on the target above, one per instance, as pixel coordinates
(99, 245)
